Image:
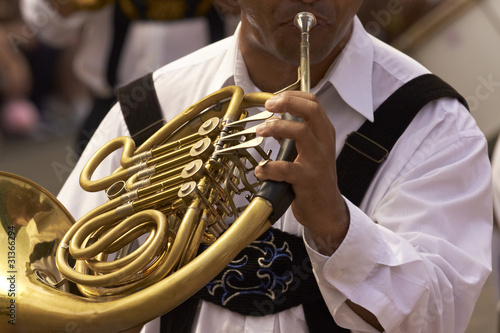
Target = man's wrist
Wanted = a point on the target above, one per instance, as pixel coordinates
(327, 242)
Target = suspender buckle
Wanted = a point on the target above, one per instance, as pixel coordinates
(366, 147)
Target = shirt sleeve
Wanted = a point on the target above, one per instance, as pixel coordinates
(420, 256)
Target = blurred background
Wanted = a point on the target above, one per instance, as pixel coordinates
(49, 89)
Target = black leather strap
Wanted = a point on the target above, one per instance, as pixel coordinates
(180, 319)
(140, 108)
(367, 148)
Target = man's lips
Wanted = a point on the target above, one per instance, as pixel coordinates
(320, 22)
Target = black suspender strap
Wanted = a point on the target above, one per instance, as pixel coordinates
(181, 318)
(140, 108)
(366, 148)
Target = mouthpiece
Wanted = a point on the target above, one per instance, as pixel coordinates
(305, 21)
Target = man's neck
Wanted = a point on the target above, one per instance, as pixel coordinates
(267, 74)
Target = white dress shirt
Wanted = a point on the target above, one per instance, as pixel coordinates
(418, 248)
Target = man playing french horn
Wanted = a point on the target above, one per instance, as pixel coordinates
(411, 256)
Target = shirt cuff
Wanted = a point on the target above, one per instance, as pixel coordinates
(352, 262)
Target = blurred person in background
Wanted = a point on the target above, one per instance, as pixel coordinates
(33, 102)
(121, 41)
(19, 116)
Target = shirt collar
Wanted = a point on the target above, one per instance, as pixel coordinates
(227, 72)
(350, 74)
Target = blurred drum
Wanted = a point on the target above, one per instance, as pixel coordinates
(460, 41)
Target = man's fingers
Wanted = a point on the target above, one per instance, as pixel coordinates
(279, 129)
(304, 106)
(296, 103)
(280, 171)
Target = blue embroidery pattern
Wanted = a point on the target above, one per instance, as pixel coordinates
(234, 282)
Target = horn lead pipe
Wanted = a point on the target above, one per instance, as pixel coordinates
(280, 194)
(305, 22)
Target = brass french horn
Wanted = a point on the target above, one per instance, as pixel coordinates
(176, 191)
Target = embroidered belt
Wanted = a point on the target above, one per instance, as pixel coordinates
(270, 275)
